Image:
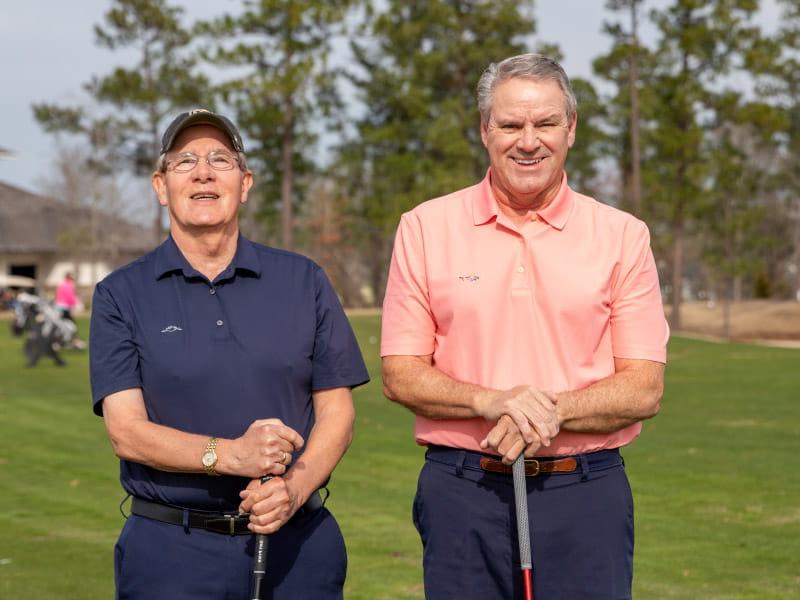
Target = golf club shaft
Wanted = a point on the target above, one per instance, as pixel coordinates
(260, 558)
(523, 527)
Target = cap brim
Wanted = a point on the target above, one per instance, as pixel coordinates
(202, 118)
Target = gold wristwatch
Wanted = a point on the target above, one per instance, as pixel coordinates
(210, 457)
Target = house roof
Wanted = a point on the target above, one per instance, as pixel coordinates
(33, 223)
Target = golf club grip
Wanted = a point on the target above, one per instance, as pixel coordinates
(260, 557)
(521, 504)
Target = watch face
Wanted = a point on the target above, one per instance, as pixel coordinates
(209, 459)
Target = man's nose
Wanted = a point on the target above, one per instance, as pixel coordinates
(528, 138)
(203, 170)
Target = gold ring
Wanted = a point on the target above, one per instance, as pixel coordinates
(283, 458)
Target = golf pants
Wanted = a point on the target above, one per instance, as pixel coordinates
(305, 559)
(581, 526)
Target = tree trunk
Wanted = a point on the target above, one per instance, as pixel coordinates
(287, 178)
(677, 270)
(155, 142)
(797, 250)
(726, 309)
(636, 178)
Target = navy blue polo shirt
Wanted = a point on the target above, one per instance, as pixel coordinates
(211, 357)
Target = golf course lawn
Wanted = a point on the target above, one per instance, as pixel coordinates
(715, 480)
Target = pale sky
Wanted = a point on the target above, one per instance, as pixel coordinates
(48, 52)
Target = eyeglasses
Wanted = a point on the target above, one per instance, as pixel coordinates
(219, 160)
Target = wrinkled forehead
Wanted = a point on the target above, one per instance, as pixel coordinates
(523, 97)
(202, 138)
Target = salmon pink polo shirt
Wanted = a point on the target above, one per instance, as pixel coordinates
(548, 304)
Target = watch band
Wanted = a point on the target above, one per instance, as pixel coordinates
(211, 452)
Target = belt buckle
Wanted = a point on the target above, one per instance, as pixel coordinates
(218, 524)
(532, 462)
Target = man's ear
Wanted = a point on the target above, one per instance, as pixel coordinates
(160, 187)
(247, 183)
(572, 130)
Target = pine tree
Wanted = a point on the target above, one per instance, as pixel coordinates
(701, 44)
(419, 62)
(285, 91)
(134, 102)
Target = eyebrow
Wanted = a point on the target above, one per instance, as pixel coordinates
(508, 121)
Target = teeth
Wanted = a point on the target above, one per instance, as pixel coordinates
(532, 161)
(204, 196)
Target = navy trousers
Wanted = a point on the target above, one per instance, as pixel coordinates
(581, 530)
(306, 558)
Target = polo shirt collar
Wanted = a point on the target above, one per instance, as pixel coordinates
(169, 258)
(555, 214)
(484, 206)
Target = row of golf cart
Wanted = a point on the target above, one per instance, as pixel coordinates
(43, 326)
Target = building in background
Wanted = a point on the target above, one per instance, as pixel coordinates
(43, 238)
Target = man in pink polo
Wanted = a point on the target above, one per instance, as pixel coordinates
(521, 316)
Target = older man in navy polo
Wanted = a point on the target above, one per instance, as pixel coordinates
(216, 361)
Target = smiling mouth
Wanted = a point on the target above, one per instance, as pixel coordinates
(204, 196)
(528, 162)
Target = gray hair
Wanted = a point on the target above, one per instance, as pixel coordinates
(161, 163)
(526, 66)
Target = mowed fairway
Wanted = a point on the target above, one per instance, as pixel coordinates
(715, 478)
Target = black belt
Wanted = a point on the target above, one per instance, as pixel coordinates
(225, 523)
(594, 461)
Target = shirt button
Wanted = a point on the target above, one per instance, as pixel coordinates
(212, 291)
(520, 269)
(219, 323)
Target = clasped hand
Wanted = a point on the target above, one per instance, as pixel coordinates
(270, 504)
(526, 419)
(265, 449)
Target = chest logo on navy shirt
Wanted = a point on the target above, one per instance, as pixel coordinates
(469, 278)
(171, 329)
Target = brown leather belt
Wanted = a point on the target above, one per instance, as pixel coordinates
(532, 466)
(543, 465)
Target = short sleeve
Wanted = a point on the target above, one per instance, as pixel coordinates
(337, 360)
(113, 356)
(408, 326)
(639, 329)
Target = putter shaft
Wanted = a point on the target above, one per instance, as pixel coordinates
(523, 525)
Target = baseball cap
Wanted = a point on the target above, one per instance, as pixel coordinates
(201, 116)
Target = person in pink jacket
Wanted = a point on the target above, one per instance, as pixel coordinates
(66, 298)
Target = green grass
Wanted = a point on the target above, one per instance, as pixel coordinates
(714, 477)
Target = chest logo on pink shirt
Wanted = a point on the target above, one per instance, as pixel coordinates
(469, 278)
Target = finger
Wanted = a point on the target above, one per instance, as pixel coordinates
(287, 435)
(278, 428)
(513, 452)
(266, 523)
(531, 449)
(495, 435)
(507, 443)
(275, 468)
(269, 528)
(543, 432)
(522, 423)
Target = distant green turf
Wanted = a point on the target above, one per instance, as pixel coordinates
(714, 477)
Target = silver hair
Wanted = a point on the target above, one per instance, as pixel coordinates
(161, 163)
(526, 66)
